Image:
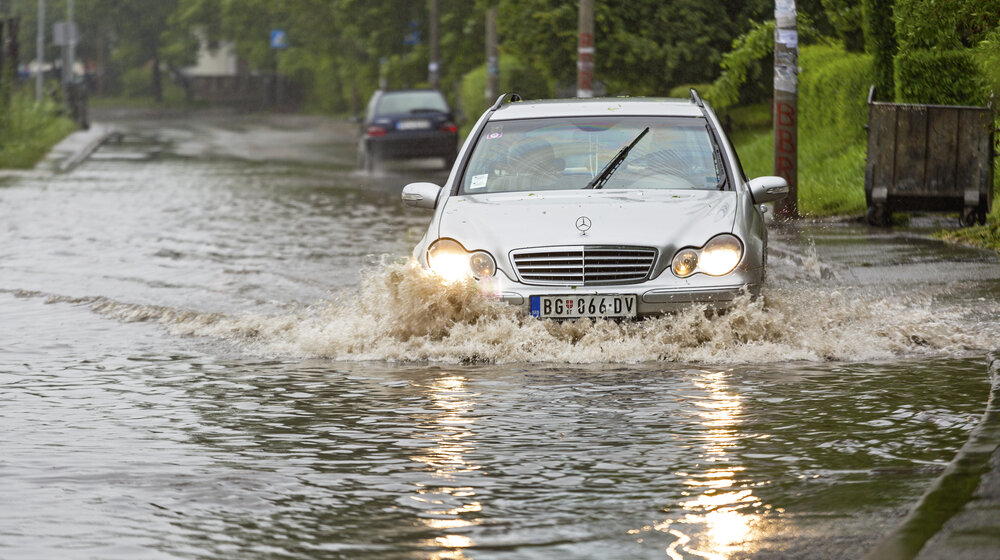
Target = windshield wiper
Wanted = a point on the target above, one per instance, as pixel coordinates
(602, 177)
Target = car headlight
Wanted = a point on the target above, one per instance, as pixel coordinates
(718, 257)
(449, 260)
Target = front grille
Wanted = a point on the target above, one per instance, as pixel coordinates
(584, 265)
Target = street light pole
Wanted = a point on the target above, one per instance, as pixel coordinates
(492, 56)
(585, 50)
(434, 67)
(40, 52)
(72, 37)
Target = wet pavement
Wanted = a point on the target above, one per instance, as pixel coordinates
(212, 346)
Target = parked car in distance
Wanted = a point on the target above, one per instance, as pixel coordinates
(623, 207)
(404, 124)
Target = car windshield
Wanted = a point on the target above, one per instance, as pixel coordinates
(567, 153)
(411, 101)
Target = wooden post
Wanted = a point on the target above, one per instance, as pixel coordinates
(492, 57)
(585, 50)
(786, 111)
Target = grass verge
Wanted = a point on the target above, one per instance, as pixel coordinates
(30, 131)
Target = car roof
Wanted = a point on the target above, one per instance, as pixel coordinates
(409, 90)
(630, 106)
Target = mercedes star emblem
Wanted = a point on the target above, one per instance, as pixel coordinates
(583, 224)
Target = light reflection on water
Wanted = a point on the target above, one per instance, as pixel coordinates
(451, 435)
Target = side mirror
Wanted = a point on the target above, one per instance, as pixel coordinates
(421, 195)
(768, 189)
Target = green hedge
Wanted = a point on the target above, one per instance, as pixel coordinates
(880, 42)
(514, 77)
(833, 89)
(939, 77)
(833, 93)
(30, 130)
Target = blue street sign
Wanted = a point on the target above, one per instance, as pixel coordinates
(413, 36)
(279, 39)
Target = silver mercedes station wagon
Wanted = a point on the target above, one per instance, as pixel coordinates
(616, 207)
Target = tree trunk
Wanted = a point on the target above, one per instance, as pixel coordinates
(157, 79)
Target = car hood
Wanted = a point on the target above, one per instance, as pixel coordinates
(667, 219)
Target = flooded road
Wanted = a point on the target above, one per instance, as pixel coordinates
(212, 346)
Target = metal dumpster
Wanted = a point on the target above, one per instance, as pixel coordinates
(929, 158)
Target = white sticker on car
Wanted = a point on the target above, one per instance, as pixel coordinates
(479, 181)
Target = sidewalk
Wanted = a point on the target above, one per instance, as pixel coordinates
(75, 148)
(962, 508)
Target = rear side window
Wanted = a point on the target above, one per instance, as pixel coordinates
(411, 102)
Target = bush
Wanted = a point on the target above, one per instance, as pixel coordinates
(939, 77)
(833, 93)
(880, 42)
(136, 82)
(514, 77)
(833, 87)
(684, 91)
(30, 130)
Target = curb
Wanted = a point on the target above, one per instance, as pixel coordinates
(957, 518)
(80, 155)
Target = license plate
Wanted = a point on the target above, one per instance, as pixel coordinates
(415, 124)
(578, 306)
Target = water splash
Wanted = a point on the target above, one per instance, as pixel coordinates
(402, 313)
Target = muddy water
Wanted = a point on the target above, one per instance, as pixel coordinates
(208, 355)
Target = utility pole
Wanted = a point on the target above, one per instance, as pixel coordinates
(68, 51)
(434, 67)
(72, 36)
(786, 110)
(492, 57)
(585, 51)
(40, 52)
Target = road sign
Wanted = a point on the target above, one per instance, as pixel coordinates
(65, 34)
(279, 39)
(412, 36)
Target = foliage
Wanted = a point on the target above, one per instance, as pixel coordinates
(30, 130)
(880, 42)
(940, 77)
(986, 236)
(642, 48)
(944, 24)
(742, 64)
(988, 56)
(832, 113)
(514, 77)
(846, 18)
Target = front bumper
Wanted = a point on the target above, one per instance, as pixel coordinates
(651, 299)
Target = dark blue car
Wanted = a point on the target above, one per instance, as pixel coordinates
(404, 124)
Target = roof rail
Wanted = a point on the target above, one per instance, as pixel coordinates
(507, 97)
(696, 99)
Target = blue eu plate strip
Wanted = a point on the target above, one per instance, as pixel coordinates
(536, 308)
